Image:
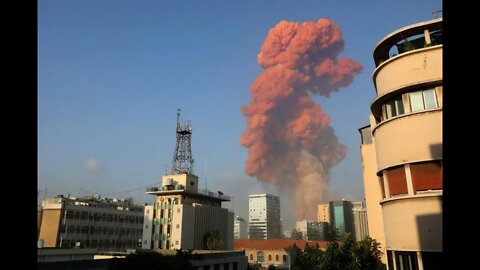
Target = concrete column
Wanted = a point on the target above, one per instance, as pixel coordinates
(408, 175)
(386, 186)
(428, 41)
(420, 260)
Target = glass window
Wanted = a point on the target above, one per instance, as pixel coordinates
(426, 176)
(416, 101)
(394, 107)
(430, 99)
(260, 257)
(406, 260)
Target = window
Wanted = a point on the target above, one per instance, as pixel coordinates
(393, 107)
(406, 260)
(269, 257)
(426, 176)
(260, 256)
(432, 260)
(251, 257)
(423, 100)
(397, 181)
(276, 258)
(284, 258)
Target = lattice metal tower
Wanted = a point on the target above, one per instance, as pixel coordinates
(182, 157)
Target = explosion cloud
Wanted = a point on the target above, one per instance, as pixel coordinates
(290, 142)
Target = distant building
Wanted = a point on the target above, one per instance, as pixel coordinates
(341, 217)
(360, 220)
(287, 234)
(94, 222)
(240, 228)
(401, 149)
(264, 217)
(182, 215)
(311, 230)
(277, 252)
(323, 213)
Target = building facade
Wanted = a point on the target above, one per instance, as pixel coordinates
(341, 216)
(360, 220)
(311, 230)
(182, 216)
(240, 228)
(276, 252)
(323, 213)
(402, 147)
(94, 222)
(264, 217)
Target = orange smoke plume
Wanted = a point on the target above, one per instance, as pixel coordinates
(288, 136)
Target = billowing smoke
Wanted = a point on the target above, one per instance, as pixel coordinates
(290, 142)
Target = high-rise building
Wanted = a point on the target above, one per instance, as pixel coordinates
(402, 147)
(264, 217)
(341, 217)
(323, 214)
(93, 222)
(183, 216)
(311, 230)
(360, 221)
(239, 228)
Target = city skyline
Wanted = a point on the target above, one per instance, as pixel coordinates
(111, 75)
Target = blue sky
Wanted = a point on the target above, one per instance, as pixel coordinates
(111, 75)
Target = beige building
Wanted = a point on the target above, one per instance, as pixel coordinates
(402, 147)
(94, 222)
(360, 222)
(311, 230)
(183, 215)
(276, 252)
(323, 214)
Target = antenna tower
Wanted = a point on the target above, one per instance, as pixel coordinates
(182, 156)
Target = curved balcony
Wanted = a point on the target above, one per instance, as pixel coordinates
(421, 66)
(408, 138)
(413, 222)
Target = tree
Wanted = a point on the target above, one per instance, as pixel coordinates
(350, 255)
(212, 240)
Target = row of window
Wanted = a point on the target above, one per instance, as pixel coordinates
(98, 230)
(411, 102)
(261, 257)
(82, 215)
(425, 176)
(408, 260)
(111, 244)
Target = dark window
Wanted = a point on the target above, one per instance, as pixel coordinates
(251, 257)
(432, 260)
(426, 176)
(276, 258)
(284, 258)
(394, 107)
(397, 182)
(406, 260)
(389, 259)
(269, 257)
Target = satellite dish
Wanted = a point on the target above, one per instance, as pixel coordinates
(77, 244)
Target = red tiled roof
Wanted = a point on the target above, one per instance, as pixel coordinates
(275, 244)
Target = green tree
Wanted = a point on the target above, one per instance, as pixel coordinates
(349, 255)
(212, 240)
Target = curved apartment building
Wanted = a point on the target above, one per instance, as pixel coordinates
(402, 147)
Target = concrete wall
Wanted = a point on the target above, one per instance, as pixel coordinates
(50, 227)
(147, 227)
(409, 138)
(409, 68)
(373, 196)
(413, 223)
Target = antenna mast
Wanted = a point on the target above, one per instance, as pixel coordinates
(182, 156)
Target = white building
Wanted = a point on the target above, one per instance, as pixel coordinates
(182, 216)
(264, 217)
(360, 221)
(239, 228)
(311, 230)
